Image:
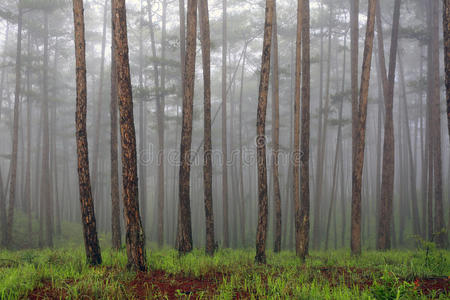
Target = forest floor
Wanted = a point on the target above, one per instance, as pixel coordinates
(61, 273)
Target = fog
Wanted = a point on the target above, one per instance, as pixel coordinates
(47, 184)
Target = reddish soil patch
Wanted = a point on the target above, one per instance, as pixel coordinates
(439, 285)
(159, 283)
(350, 276)
(47, 291)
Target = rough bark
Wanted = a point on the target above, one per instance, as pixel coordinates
(276, 135)
(185, 228)
(354, 49)
(296, 155)
(115, 195)
(207, 167)
(357, 168)
(91, 242)
(241, 156)
(15, 137)
(305, 136)
(135, 238)
(261, 233)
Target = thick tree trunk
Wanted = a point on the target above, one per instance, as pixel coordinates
(185, 228)
(15, 141)
(115, 195)
(261, 233)
(276, 135)
(91, 242)
(360, 136)
(388, 171)
(207, 167)
(441, 235)
(296, 154)
(135, 238)
(303, 242)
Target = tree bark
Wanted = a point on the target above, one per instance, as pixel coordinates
(91, 242)
(446, 29)
(115, 195)
(357, 169)
(185, 228)
(296, 155)
(135, 238)
(261, 233)
(15, 141)
(207, 168)
(276, 134)
(303, 243)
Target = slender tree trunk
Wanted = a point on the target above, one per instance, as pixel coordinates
(360, 135)
(3, 214)
(185, 228)
(296, 155)
(91, 242)
(388, 171)
(224, 128)
(15, 141)
(2, 80)
(98, 117)
(412, 171)
(303, 242)
(207, 168)
(241, 156)
(446, 29)
(276, 134)
(115, 195)
(135, 238)
(28, 167)
(261, 234)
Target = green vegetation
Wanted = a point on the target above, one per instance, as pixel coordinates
(334, 275)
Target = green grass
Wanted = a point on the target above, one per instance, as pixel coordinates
(64, 269)
(324, 275)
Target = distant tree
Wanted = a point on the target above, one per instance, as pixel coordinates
(87, 205)
(446, 29)
(185, 229)
(225, 225)
(135, 238)
(360, 136)
(261, 233)
(15, 136)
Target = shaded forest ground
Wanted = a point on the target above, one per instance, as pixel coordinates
(61, 273)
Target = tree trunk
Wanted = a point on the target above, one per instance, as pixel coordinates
(185, 228)
(446, 29)
(241, 158)
(297, 154)
(388, 171)
(115, 195)
(91, 242)
(303, 242)
(360, 136)
(441, 235)
(224, 128)
(15, 141)
(135, 238)
(207, 168)
(261, 233)
(276, 135)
